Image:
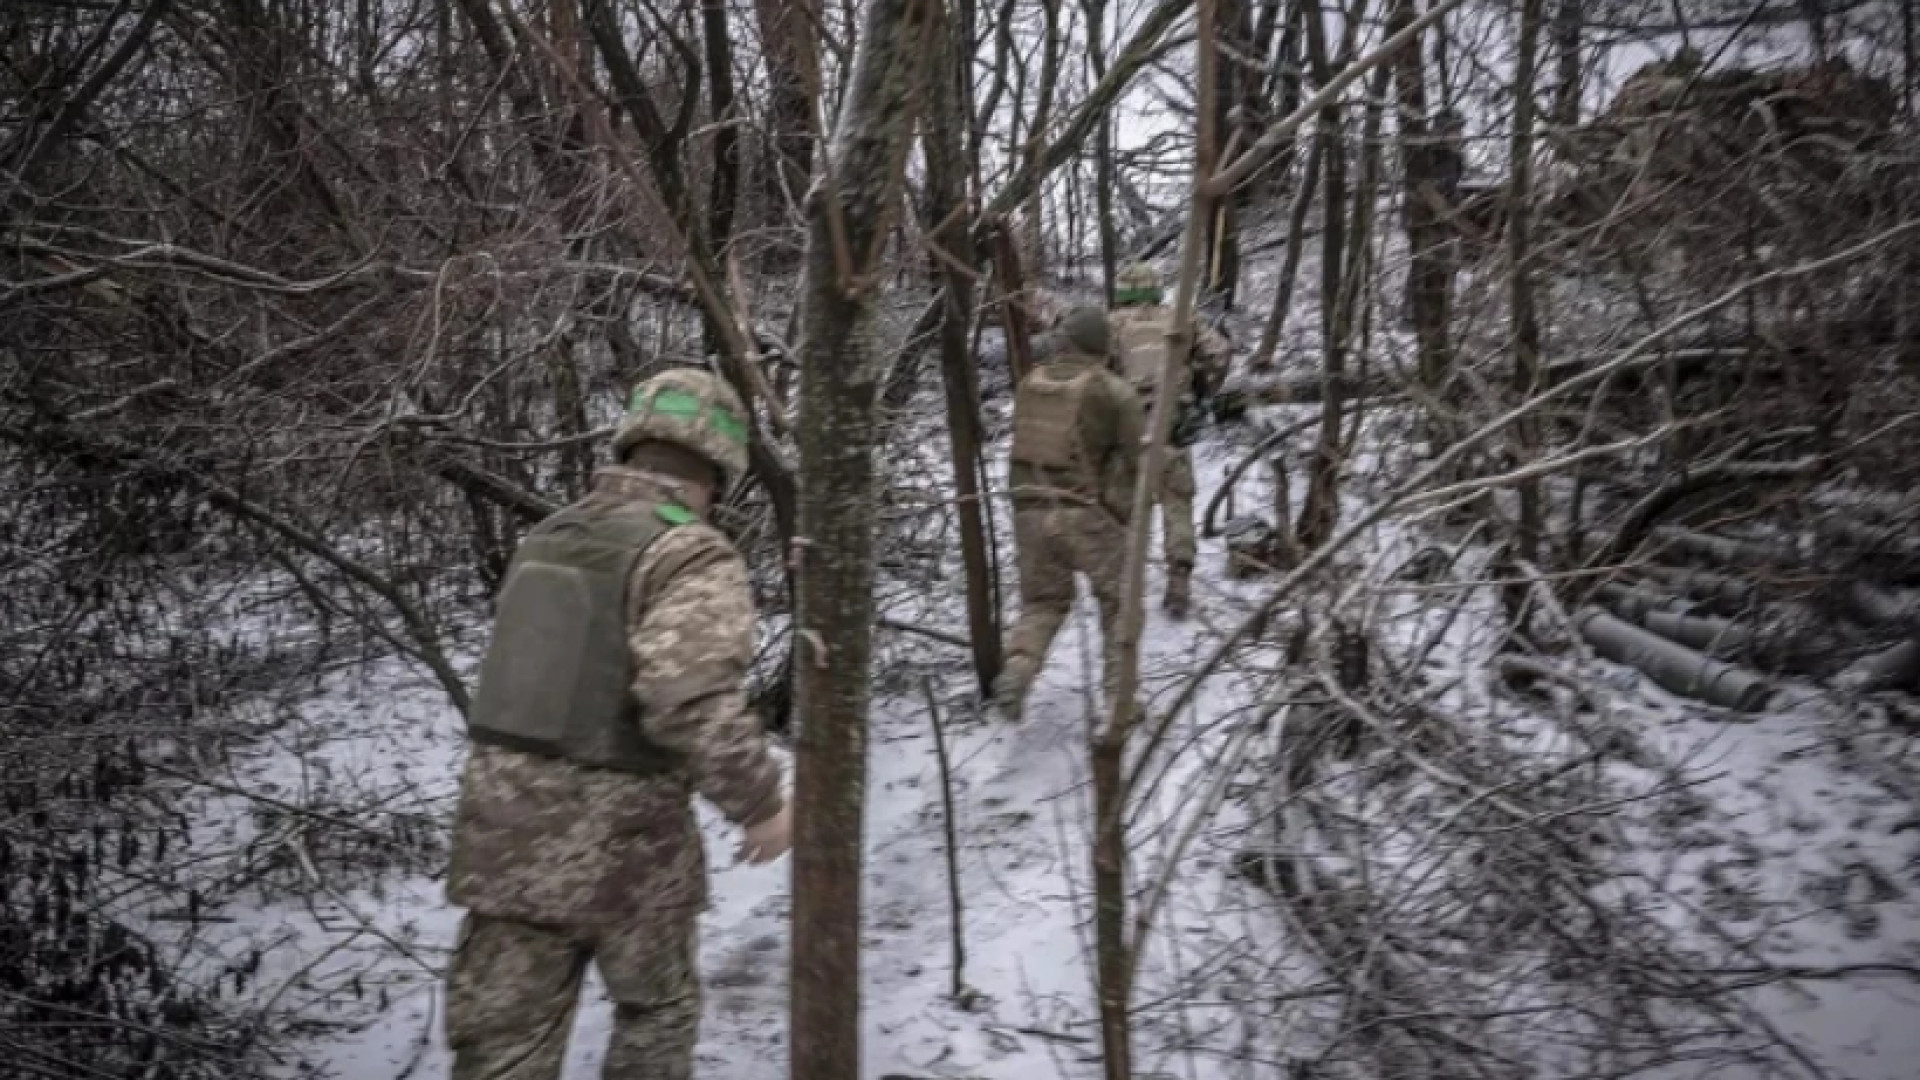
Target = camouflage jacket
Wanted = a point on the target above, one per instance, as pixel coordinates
(542, 839)
(1112, 425)
(1210, 357)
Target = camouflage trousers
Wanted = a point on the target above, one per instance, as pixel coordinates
(513, 985)
(1052, 546)
(1177, 490)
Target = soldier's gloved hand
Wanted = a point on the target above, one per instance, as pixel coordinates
(767, 840)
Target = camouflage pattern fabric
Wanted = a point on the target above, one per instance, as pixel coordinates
(1137, 277)
(691, 408)
(1062, 529)
(595, 856)
(1111, 422)
(1177, 490)
(513, 985)
(1211, 356)
(1053, 545)
(543, 839)
(1211, 352)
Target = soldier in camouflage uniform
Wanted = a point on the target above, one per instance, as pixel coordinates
(1076, 451)
(610, 693)
(1140, 328)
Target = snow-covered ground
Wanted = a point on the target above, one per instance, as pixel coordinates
(1804, 845)
(1021, 824)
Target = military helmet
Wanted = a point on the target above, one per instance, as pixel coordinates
(692, 408)
(1137, 284)
(1085, 330)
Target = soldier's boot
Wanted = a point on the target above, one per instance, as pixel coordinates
(1179, 596)
(1009, 699)
(1008, 696)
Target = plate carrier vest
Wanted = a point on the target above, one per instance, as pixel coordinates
(557, 680)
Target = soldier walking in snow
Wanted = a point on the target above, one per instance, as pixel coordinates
(611, 692)
(1076, 451)
(1140, 329)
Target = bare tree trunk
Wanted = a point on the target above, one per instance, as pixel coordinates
(1115, 959)
(1266, 49)
(1071, 235)
(1019, 101)
(1003, 65)
(944, 143)
(1569, 18)
(1276, 92)
(570, 408)
(569, 389)
(1526, 327)
(1815, 12)
(723, 200)
(1103, 178)
(1357, 292)
(1284, 84)
(792, 55)
(1910, 63)
(564, 30)
(1051, 46)
(1234, 96)
(1320, 509)
(957, 985)
(723, 184)
(1112, 958)
(259, 56)
(1429, 276)
(1290, 265)
(1285, 90)
(848, 222)
(1013, 313)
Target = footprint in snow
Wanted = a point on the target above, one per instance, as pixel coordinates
(1041, 744)
(752, 963)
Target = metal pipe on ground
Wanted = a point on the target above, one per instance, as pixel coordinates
(1671, 664)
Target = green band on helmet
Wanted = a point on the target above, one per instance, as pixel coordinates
(675, 403)
(680, 404)
(1136, 297)
(674, 515)
(728, 424)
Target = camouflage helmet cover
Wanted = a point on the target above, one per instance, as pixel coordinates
(688, 407)
(1085, 330)
(1139, 276)
(1139, 283)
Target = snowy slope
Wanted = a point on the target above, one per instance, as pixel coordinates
(1021, 823)
(1804, 815)
(1800, 849)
